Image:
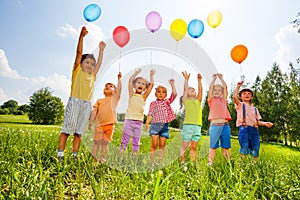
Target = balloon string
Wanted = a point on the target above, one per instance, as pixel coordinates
(150, 57)
(242, 75)
(176, 57)
(120, 61)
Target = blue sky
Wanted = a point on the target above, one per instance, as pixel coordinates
(39, 38)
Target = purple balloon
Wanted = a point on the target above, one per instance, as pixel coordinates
(153, 21)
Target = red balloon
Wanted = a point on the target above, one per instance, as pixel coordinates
(121, 36)
(239, 53)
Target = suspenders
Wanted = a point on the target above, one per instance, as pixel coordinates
(244, 115)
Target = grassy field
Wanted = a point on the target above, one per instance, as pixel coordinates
(29, 170)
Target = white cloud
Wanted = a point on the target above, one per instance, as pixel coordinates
(5, 70)
(288, 40)
(67, 31)
(92, 39)
(59, 84)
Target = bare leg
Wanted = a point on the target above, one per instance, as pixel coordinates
(162, 144)
(243, 157)
(184, 146)
(96, 146)
(193, 150)
(104, 150)
(62, 141)
(226, 153)
(76, 142)
(153, 147)
(211, 155)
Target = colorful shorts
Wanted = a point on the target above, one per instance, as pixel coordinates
(191, 132)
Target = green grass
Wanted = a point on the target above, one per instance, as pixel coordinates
(29, 170)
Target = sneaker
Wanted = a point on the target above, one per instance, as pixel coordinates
(61, 158)
(75, 157)
(182, 164)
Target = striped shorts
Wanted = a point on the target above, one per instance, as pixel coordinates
(77, 114)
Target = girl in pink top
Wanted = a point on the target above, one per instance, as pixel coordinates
(219, 116)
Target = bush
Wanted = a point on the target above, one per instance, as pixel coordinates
(45, 108)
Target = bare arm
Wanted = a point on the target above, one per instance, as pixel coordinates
(102, 46)
(236, 92)
(225, 91)
(211, 86)
(199, 97)
(80, 47)
(130, 82)
(119, 86)
(148, 121)
(267, 124)
(146, 94)
(173, 86)
(92, 118)
(186, 85)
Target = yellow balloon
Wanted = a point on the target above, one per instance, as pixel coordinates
(178, 29)
(214, 18)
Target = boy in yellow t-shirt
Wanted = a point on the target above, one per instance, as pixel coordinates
(78, 108)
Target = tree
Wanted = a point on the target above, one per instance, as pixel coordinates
(45, 108)
(296, 25)
(205, 113)
(11, 105)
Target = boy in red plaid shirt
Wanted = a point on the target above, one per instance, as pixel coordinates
(160, 114)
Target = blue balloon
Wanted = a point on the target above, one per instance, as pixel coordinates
(91, 12)
(195, 28)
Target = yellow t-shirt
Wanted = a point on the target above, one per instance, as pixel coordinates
(193, 112)
(82, 84)
(136, 105)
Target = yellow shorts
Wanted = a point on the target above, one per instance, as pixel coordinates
(104, 132)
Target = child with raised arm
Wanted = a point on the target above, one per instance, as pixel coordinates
(78, 108)
(219, 129)
(104, 113)
(160, 114)
(248, 120)
(191, 129)
(139, 89)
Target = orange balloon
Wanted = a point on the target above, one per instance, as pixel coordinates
(239, 53)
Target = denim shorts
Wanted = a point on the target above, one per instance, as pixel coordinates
(249, 140)
(191, 132)
(219, 134)
(161, 129)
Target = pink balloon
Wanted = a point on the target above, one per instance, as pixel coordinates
(121, 36)
(153, 21)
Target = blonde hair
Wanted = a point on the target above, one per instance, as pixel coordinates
(161, 87)
(218, 85)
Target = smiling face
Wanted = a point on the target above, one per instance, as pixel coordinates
(217, 91)
(140, 85)
(246, 96)
(161, 93)
(88, 64)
